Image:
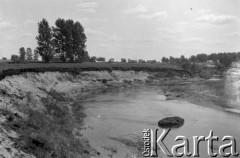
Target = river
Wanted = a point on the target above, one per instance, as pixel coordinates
(116, 118)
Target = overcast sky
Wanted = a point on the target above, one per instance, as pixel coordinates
(147, 29)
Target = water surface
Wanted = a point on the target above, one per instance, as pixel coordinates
(116, 118)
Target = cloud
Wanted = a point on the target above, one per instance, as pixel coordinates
(4, 24)
(138, 9)
(217, 19)
(87, 6)
(192, 39)
(30, 22)
(203, 11)
(26, 35)
(87, 21)
(153, 16)
(200, 12)
(232, 34)
(93, 32)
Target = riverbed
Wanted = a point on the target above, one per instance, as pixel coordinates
(116, 118)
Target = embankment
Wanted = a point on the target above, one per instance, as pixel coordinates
(38, 118)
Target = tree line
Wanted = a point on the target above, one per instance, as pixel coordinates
(25, 54)
(66, 39)
(222, 60)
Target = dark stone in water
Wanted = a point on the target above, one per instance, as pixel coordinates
(104, 81)
(171, 122)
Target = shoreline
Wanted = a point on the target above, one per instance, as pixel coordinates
(27, 97)
(63, 88)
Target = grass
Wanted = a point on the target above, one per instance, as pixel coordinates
(17, 66)
(8, 69)
(47, 134)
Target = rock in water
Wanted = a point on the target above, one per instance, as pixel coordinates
(171, 122)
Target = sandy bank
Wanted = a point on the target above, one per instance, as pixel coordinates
(29, 91)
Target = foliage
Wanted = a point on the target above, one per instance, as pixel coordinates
(93, 59)
(69, 40)
(29, 54)
(202, 57)
(111, 60)
(36, 55)
(14, 58)
(45, 40)
(220, 60)
(141, 61)
(205, 73)
(165, 60)
(123, 60)
(46, 134)
(22, 53)
(101, 59)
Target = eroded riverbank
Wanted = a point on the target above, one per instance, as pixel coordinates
(27, 97)
(51, 93)
(116, 118)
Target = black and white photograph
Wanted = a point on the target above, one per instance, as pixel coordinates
(119, 78)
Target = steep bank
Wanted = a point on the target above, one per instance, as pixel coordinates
(30, 96)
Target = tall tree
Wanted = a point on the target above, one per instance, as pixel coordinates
(79, 40)
(45, 40)
(60, 39)
(29, 54)
(36, 55)
(22, 53)
(69, 40)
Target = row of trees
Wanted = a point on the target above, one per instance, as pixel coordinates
(67, 39)
(220, 59)
(25, 55)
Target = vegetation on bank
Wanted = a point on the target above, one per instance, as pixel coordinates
(8, 69)
(219, 60)
(49, 133)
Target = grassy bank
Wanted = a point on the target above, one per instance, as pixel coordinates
(8, 69)
(49, 133)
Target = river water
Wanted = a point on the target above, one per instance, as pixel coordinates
(116, 118)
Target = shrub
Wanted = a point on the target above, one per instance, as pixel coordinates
(205, 73)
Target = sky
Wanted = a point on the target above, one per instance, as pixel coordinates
(135, 29)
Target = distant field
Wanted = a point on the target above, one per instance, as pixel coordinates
(8, 69)
(86, 65)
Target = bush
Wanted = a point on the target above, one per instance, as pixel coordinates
(205, 73)
(46, 134)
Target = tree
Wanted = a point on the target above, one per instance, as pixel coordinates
(14, 58)
(29, 54)
(22, 53)
(93, 59)
(202, 57)
(101, 59)
(193, 59)
(79, 40)
(172, 60)
(183, 60)
(36, 55)
(45, 40)
(69, 40)
(60, 39)
(123, 60)
(165, 60)
(111, 60)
